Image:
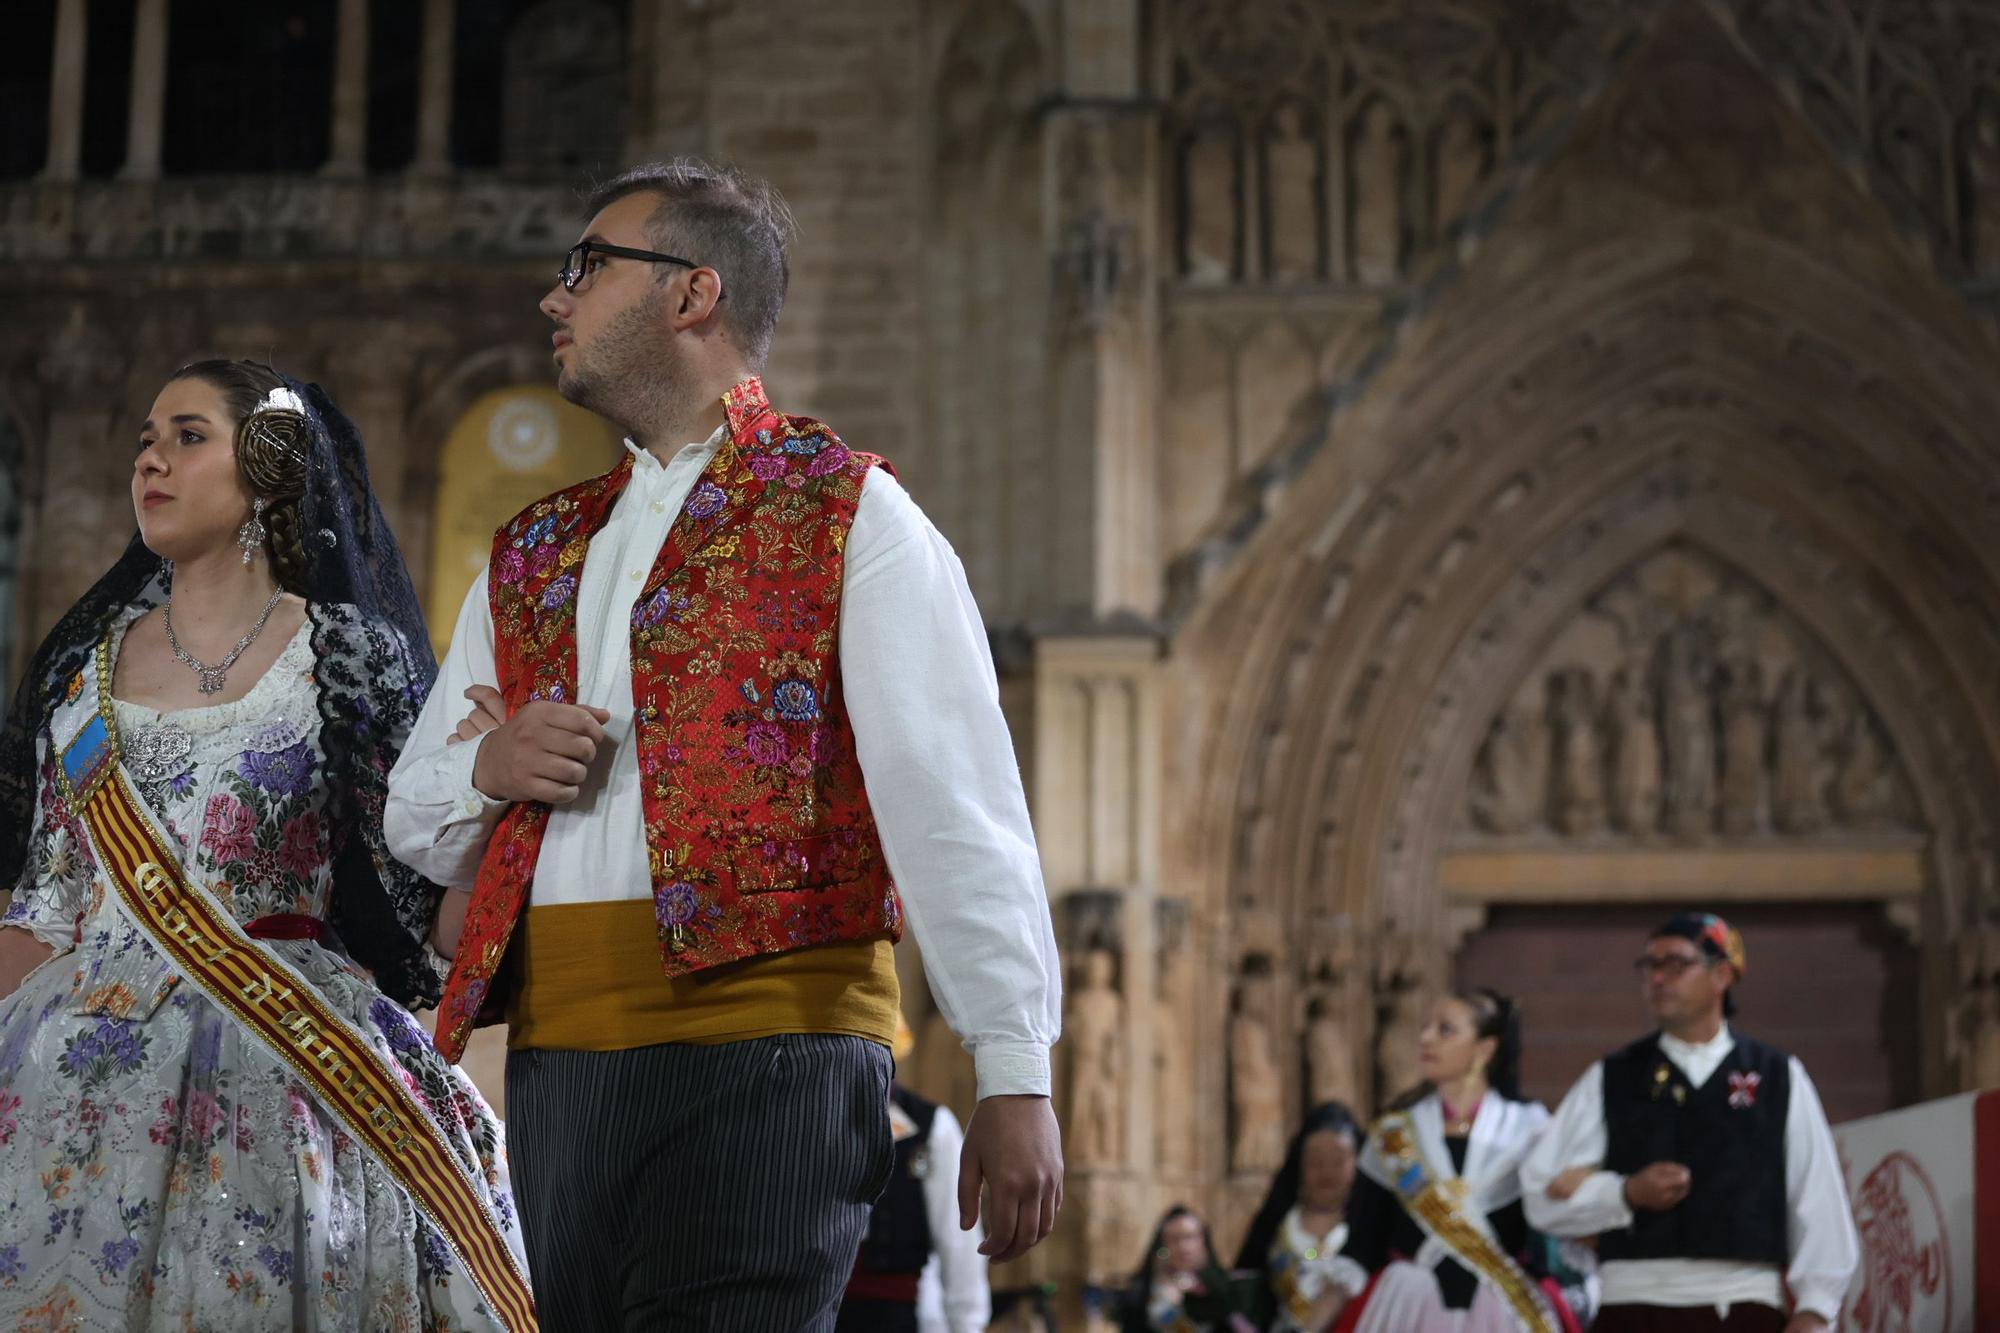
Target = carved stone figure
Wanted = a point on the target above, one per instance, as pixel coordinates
(1689, 720)
(1173, 1065)
(1743, 749)
(1635, 752)
(1865, 791)
(1291, 188)
(1797, 802)
(1254, 1087)
(1212, 205)
(1514, 769)
(1096, 1038)
(1580, 773)
(1376, 200)
(1329, 1054)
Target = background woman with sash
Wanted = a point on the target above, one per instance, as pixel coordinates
(1436, 1217)
(1296, 1238)
(243, 676)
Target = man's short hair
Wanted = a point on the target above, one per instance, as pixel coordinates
(726, 219)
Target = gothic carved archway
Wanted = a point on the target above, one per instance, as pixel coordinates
(1641, 365)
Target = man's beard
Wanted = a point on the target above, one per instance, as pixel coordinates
(634, 376)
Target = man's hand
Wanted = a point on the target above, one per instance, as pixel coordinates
(1013, 1147)
(489, 710)
(1569, 1182)
(1658, 1187)
(1805, 1322)
(542, 753)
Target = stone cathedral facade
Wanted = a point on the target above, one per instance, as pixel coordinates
(1445, 480)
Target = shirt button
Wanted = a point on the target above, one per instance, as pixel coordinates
(659, 506)
(636, 575)
(471, 805)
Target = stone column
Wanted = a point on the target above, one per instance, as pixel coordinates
(1095, 802)
(349, 155)
(149, 93)
(434, 89)
(66, 93)
(79, 513)
(1106, 164)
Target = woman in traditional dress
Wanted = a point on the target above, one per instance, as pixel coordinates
(216, 1111)
(1179, 1286)
(1436, 1216)
(1297, 1236)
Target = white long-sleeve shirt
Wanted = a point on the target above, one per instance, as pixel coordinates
(952, 1293)
(1822, 1240)
(935, 754)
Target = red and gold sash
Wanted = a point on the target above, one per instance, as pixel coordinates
(283, 1011)
(1437, 1205)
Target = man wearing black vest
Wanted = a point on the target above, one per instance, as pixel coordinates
(917, 1272)
(1702, 1162)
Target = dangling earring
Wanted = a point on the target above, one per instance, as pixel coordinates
(251, 535)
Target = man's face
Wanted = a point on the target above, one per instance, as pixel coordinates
(1681, 983)
(613, 326)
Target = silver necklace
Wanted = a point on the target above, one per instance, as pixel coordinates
(213, 678)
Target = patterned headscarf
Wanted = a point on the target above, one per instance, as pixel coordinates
(1718, 941)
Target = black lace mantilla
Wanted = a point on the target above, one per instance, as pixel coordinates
(374, 666)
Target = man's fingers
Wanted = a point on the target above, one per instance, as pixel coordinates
(968, 1190)
(488, 700)
(555, 768)
(551, 793)
(577, 721)
(1003, 1227)
(1051, 1201)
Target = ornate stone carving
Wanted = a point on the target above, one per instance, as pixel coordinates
(1691, 741)
(565, 86)
(1579, 776)
(1511, 793)
(1633, 731)
(1420, 103)
(1798, 792)
(1095, 1033)
(1744, 741)
(1173, 1043)
(1403, 984)
(1256, 1095)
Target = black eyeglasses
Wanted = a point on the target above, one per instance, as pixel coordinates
(572, 273)
(1672, 966)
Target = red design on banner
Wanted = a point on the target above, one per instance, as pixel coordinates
(1743, 1090)
(1905, 1278)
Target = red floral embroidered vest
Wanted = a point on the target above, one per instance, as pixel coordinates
(758, 831)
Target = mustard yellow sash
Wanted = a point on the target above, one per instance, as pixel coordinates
(282, 1010)
(1437, 1207)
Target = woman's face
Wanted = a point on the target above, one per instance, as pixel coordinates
(186, 492)
(1326, 1170)
(1185, 1243)
(1449, 1047)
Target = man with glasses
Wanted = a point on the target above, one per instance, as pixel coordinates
(1701, 1160)
(734, 718)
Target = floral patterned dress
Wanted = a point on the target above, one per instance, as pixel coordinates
(159, 1169)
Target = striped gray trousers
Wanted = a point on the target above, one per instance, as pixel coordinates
(697, 1187)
